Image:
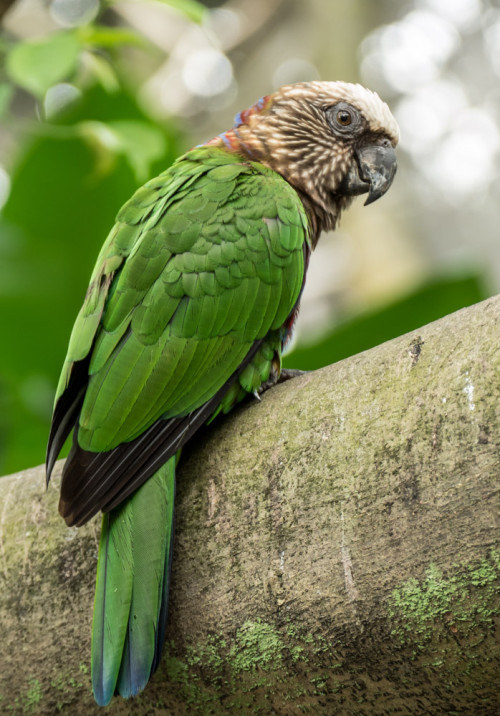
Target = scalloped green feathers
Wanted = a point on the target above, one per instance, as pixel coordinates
(199, 266)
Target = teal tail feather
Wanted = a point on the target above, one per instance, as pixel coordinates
(133, 570)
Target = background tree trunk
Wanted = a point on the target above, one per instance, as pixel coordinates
(334, 553)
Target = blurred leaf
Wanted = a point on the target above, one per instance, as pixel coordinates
(103, 71)
(103, 142)
(56, 218)
(38, 64)
(99, 36)
(142, 143)
(6, 93)
(430, 302)
(193, 10)
(190, 8)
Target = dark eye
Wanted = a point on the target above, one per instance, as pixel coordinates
(344, 117)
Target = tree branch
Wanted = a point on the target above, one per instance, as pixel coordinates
(334, 550)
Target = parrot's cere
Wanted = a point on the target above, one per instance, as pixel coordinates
(193, 297)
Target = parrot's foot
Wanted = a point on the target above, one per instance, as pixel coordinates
(274, 378)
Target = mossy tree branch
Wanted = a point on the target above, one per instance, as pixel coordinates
(335, 549)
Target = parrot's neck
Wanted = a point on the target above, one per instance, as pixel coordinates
(241, 139)
(239, 142)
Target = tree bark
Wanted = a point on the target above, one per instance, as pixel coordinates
(335, 549)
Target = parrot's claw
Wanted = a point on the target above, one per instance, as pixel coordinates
(275, 378)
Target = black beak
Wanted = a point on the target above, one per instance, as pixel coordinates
(373, 171)
(377, 166)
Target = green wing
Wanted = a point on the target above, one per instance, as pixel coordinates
(203, 263)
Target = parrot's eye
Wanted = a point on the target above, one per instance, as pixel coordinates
(344, 117)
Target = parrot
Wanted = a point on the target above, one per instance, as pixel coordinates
(193, 298)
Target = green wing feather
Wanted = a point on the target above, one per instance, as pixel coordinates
(195, 271)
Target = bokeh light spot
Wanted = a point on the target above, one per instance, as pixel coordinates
(71, 13)
(4, 186)
(464, 163)
(207, 72)
(411, 52)
(492, 41)
(58, 97)
(425, 115)
(462, 13)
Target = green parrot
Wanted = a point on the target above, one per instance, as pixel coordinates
(192, 300)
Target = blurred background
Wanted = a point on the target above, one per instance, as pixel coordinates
(98, 96)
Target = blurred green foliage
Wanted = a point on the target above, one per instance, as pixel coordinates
(67, 187)
(76, 164)
(89, 148)
(430, 302)
(41, 63)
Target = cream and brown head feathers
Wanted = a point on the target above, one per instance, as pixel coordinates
(312, 134)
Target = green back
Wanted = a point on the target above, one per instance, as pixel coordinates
(203, 260)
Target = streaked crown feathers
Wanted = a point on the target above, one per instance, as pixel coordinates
(325, 94)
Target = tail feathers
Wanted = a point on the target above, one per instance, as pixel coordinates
(133, 571)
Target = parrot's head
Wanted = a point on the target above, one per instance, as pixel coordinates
(330, 140)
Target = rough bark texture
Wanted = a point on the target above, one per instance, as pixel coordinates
(335, 549)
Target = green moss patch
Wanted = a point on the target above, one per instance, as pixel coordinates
(463, 601)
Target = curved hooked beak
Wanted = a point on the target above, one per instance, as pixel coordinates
(372, 172)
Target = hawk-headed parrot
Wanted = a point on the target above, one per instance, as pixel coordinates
(192, 299)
